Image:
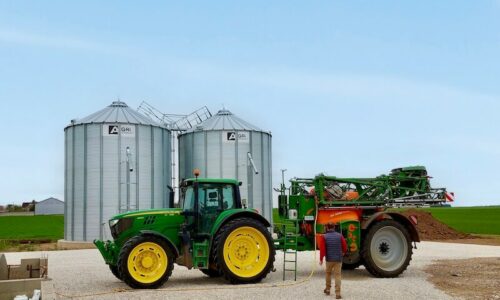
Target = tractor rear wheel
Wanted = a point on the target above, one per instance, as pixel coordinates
(244, 251)
(145, 262)
(387, 249)
(114, 270)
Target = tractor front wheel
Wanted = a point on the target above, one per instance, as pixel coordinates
(244, 251)
(145, 262)
(387, 249)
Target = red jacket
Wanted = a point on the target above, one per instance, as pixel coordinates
(322, 246)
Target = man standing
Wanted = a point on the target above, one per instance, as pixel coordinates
(332, 245)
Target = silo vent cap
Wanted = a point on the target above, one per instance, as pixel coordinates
(224, 112)
(118, 104)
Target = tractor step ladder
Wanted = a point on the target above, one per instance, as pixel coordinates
(290, 245)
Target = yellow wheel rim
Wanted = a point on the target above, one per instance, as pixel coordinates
(246, 252)
(147, 262)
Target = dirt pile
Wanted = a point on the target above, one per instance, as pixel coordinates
(430, 229)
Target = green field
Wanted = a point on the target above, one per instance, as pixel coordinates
(476, 219)
(32, 227)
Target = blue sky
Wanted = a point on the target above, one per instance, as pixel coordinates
(351, 88)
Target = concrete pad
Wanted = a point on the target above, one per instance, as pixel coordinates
(83, 273)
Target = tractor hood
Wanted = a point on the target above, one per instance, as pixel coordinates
(148, 212)
(128, 224)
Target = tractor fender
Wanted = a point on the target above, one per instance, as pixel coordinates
(224, 218)
(157, 234)
(398, 217)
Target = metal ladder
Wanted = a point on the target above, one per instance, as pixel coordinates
(290, 244)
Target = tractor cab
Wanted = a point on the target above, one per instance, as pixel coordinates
(203, 200)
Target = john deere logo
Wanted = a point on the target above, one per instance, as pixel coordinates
(113, 129)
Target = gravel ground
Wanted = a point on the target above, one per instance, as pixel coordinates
(82, 274)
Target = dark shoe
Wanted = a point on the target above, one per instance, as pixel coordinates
(326, 291)
(338, 297)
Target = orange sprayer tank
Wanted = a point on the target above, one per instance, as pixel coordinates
(335, 216)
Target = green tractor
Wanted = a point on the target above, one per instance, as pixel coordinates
(211, 231)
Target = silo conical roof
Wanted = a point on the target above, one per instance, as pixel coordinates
(225, 120)
(117, 112)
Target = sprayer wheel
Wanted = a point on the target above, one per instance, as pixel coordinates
(351, 266)
(387, 249)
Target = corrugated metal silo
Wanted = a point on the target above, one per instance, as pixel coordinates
(225, 146)
(116, 160)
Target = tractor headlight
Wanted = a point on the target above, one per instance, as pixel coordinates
(113, 222)
(118, 226)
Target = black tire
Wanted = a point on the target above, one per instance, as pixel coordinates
(211, 273)
(387, 249)
(114, 270)
(123, 261)
(351, 266)
(218, 248)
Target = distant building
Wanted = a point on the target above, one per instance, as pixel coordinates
(50, 206)
(2, 208)
(28, 206)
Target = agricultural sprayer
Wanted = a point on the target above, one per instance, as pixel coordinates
(378, 238)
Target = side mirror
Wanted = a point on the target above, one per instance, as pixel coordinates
(244, 203)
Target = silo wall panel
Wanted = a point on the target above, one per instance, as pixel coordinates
(166, 165)
(243, 167)
(198, 156)
(144, 167)
(127, 184)
(256, 179)
(228, 156)
(267, 178)
(159, 182)
(79, 160)
(189, 165)
(68, 182)
(214, 154)
(93, 202)
(111, 179)
(182, 158)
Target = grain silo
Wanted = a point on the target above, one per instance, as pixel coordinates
(116, 160)
(225, 146)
